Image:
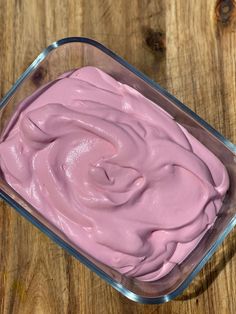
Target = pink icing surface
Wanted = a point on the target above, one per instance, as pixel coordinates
(114, 172)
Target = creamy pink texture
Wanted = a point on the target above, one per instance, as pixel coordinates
(114, 172)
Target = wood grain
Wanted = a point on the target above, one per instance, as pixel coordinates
(187, 46)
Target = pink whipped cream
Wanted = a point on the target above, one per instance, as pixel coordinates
(114, 172)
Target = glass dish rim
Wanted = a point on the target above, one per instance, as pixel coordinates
(20, 209)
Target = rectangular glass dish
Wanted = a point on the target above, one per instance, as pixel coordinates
(71, 53)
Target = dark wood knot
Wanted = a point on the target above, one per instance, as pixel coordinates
(155, 40)
(225, 10)
(39, 75)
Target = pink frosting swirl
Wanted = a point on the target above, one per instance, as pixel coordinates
(114, 172)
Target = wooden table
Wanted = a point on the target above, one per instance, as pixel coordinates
(187, 46)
